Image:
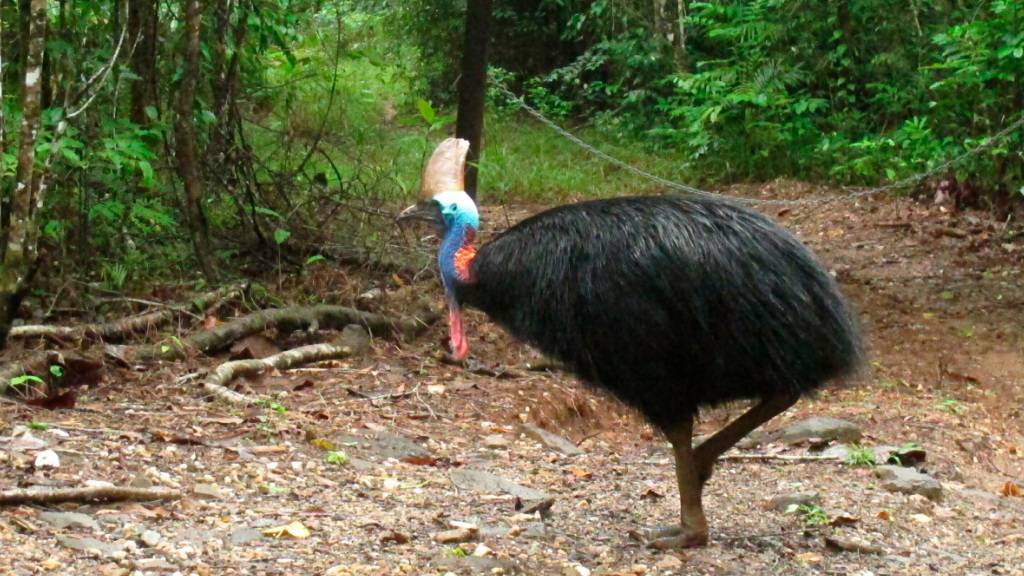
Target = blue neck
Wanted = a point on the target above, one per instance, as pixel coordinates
(454, 238)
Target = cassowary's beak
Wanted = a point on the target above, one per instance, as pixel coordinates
(426, 211)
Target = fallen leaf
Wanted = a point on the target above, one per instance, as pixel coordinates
(420, 460)
(843, 520)
(651, 494)
(1010, 489)
(322, 443)
(295, 530)
(396, 537)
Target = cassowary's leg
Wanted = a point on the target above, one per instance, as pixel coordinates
(693, 525)
(708, 451)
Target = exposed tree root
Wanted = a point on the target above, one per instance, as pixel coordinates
(89, 494)
(125, 328)
(323, 316)
(354, 340)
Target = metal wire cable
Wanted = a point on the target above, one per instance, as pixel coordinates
(685, 188)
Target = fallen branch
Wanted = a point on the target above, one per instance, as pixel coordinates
(127, 327)
(777, 458)
(91, 494)
(323, 316)
(354, 340)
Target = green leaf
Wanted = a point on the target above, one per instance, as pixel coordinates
(57, 370)
(426, 111)
(24, 379)
(336, 457)
(281, 236)
(314, 259)
(268, 212)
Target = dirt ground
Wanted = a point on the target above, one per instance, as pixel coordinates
(371, 455)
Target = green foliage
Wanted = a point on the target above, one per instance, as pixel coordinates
(336, 457)
(861, 456)
(24, 380)
(41, 426)
(810, 514)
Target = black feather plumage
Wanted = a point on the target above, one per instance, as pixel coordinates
(670, 303)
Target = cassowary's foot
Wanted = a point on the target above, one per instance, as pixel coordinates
(674, 537)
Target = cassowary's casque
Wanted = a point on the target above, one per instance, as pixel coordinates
(669, 303)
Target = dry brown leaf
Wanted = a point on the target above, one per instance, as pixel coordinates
(295, 530)
(1010, 489)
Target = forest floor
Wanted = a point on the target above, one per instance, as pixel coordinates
(941, 297)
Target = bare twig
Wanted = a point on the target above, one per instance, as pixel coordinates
(38, 495)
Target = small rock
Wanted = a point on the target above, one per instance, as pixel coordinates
(909, 481)
(669, 562)
(576, 570)
(851, 544)
(61, 520)
(92, 546)
(822, 427)
(208, 491)
(482, 550)
(782, 502)
(243, 535)
(495, 441)
(535, 531)
(151, 538)
(921, 518)
(154, 565)
(476, 565)
(480, 481)
(551, 440)
(753, 440)
(47, 459)
(25, 442)
(456, 535)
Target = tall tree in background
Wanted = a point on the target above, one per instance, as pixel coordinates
(143, 18)
(19, 229)
(473, 84)
(185, 139)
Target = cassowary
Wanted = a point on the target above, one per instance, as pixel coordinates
(670, 303)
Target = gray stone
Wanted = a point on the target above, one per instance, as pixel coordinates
(495, 441)
(381, 446)
(476, 565)
(909, 481)
(243, 535)
(753, 440)
(151, 538)
(821, 427)
(552, 441)
(92, 546)
(61, 520)
(208, 491)
(480, 481)
(535, 531)
(782, 502)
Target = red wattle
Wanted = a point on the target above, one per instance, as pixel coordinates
(460, 348)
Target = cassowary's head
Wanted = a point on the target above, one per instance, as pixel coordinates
(445, 204)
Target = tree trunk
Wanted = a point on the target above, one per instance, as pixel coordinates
(681, 54)
(185, 139)
(142, 32)
(18, 241)
(473, 84)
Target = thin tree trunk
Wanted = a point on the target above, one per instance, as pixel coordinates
(185, 139)
(21, 233)
(473, 84)
(682, 56)
(142, 31)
